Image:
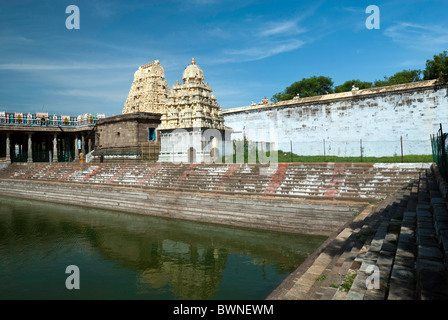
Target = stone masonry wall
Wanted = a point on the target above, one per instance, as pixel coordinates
(125, 131)
(377, 116)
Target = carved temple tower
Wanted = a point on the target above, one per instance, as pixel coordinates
(149, 90)
(192, 127)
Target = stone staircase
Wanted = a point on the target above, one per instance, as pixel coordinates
(278, 214)
(294, 180)
(399, 247)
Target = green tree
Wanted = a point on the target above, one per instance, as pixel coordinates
(347, 85)
(405, 76)
(307, 87)
(437, 68)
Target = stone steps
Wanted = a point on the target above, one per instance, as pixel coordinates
(379, 253)
(431, 224)
(270, 215)
(337, 257)
(412, 263)
(291, 180)
(286, 208)
(243, 169)
(406, 240)
(366, 247)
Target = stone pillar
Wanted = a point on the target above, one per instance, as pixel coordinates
(76, 148)
(83, 149)
(8, 148)
(69, 144)
(30, 150)
(55, 147)
(89, 145)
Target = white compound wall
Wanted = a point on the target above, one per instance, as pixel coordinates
(337, 123)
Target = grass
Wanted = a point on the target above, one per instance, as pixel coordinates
(284, 157)
(347, 282)
(334, 285)
(322, 277)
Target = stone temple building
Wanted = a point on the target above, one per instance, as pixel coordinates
(132, 135)
(128, 137)
(192, 126)
(185, 124)
(149, 90)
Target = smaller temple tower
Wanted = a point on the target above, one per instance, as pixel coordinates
(192, 127)
(149, 90)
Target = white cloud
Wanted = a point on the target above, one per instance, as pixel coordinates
(204, 2)
(15, 40)
(358, 10)
(57, 67)
(289, 27)
(415, 36)
(265, 49)
(411, 63)
(220, 33)
(259, 39)
(103, 95)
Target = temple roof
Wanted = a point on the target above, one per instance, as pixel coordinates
(149, 90)
(193, 73)
(192, 104)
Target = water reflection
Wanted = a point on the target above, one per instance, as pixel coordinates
(127, 256)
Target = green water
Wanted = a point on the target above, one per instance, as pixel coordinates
(128, 256)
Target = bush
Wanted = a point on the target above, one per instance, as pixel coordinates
(437, 68)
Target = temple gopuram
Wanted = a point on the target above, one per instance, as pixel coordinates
(192, 127)
(149, 90)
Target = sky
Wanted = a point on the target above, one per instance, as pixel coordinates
(247, 49)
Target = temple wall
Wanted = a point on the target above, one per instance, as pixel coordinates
(125, 131)
(379, 117)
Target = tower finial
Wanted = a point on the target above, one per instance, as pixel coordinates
(192, 61)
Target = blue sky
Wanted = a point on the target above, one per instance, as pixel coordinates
(247, 49)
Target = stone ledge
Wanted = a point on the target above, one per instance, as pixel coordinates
(336, 96)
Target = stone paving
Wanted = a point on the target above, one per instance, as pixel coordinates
(402, 242)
